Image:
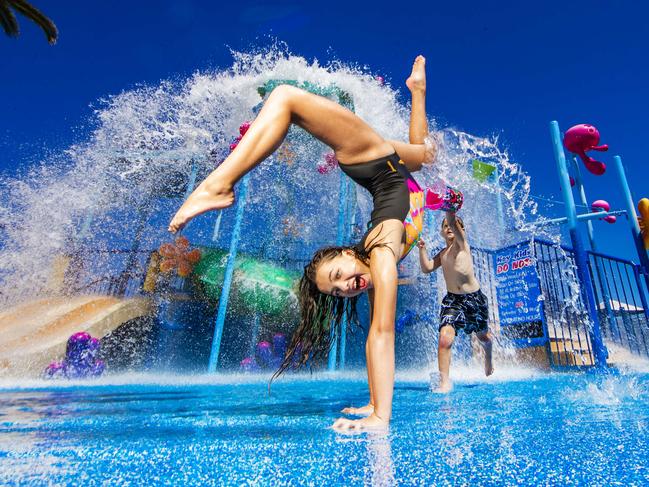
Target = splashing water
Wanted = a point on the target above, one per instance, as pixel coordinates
(125, 182)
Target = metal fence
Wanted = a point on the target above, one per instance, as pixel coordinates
(108, 272)
(566, 319)
(618, 288)
(621, 306)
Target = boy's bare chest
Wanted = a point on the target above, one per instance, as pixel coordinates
(456, 260)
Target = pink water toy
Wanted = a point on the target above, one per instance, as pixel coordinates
(603, 206)
(330, 162)
(582, 138)
(600, 205)
(443, 197)
(243, 128)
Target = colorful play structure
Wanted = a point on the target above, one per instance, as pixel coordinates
(213, 307)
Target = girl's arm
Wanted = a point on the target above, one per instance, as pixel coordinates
(380, 340)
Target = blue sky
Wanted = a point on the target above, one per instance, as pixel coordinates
(504, 68)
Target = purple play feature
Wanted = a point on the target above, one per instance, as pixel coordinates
(80, 359)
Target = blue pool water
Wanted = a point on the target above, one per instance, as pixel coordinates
(539, 429)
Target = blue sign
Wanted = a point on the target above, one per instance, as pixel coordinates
(517, 285)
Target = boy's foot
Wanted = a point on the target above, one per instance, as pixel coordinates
(203, 199)
(444, 387)
(417, 79)
(371, 423)
(488, 368)
(488, 363)
(364, 411)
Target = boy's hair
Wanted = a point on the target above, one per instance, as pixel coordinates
(459, 221)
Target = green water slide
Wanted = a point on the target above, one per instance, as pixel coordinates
(257, 286)
(330, 91)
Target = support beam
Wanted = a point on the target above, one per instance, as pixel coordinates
(581, 258)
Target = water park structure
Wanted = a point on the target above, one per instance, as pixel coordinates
(217, 308)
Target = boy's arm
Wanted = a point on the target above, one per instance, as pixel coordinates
(425, 263)
(458, 231)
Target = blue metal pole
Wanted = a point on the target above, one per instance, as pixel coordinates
(499, 202)
(584, 201)
(610, 317)
(585, 217)
(192, 180)
(633, 219)
(256, 326)
(217, 226)
(581, 258)
(340, 237)
(349, 221)
(227, 280)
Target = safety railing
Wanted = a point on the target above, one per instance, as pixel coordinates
(567, 321)
(107, 272)
(621, 304)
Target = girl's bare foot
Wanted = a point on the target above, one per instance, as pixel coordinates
(205, 198)
(371, 423)
(417, 79)
(364, 411)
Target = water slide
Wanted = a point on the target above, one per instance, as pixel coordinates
(35, 333)
(258, 286)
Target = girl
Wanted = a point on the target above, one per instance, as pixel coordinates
(336, 276)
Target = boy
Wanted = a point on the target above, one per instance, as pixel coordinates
(465, 306)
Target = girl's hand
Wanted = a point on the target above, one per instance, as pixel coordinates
(421, 244)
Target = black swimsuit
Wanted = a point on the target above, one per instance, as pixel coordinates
(395, 193)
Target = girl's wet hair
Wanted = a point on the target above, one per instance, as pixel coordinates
(321, 315)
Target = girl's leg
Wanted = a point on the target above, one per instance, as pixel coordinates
(416, 83)
(351, 138)
(446, 338)
(415, 153)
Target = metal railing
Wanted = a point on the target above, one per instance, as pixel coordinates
(567, 322)
(108, 272)
(622, 306)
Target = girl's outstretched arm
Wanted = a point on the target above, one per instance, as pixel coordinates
(380, 340)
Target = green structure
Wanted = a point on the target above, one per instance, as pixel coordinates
(257, 287)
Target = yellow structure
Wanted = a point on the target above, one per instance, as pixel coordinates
(643, 219)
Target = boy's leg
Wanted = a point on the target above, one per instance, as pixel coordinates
(487, 345)
(351, 138)
(446, 339)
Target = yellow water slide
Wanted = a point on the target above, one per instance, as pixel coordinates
(35, 333)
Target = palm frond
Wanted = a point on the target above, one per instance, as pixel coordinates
(8, 20)
(32, 13)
